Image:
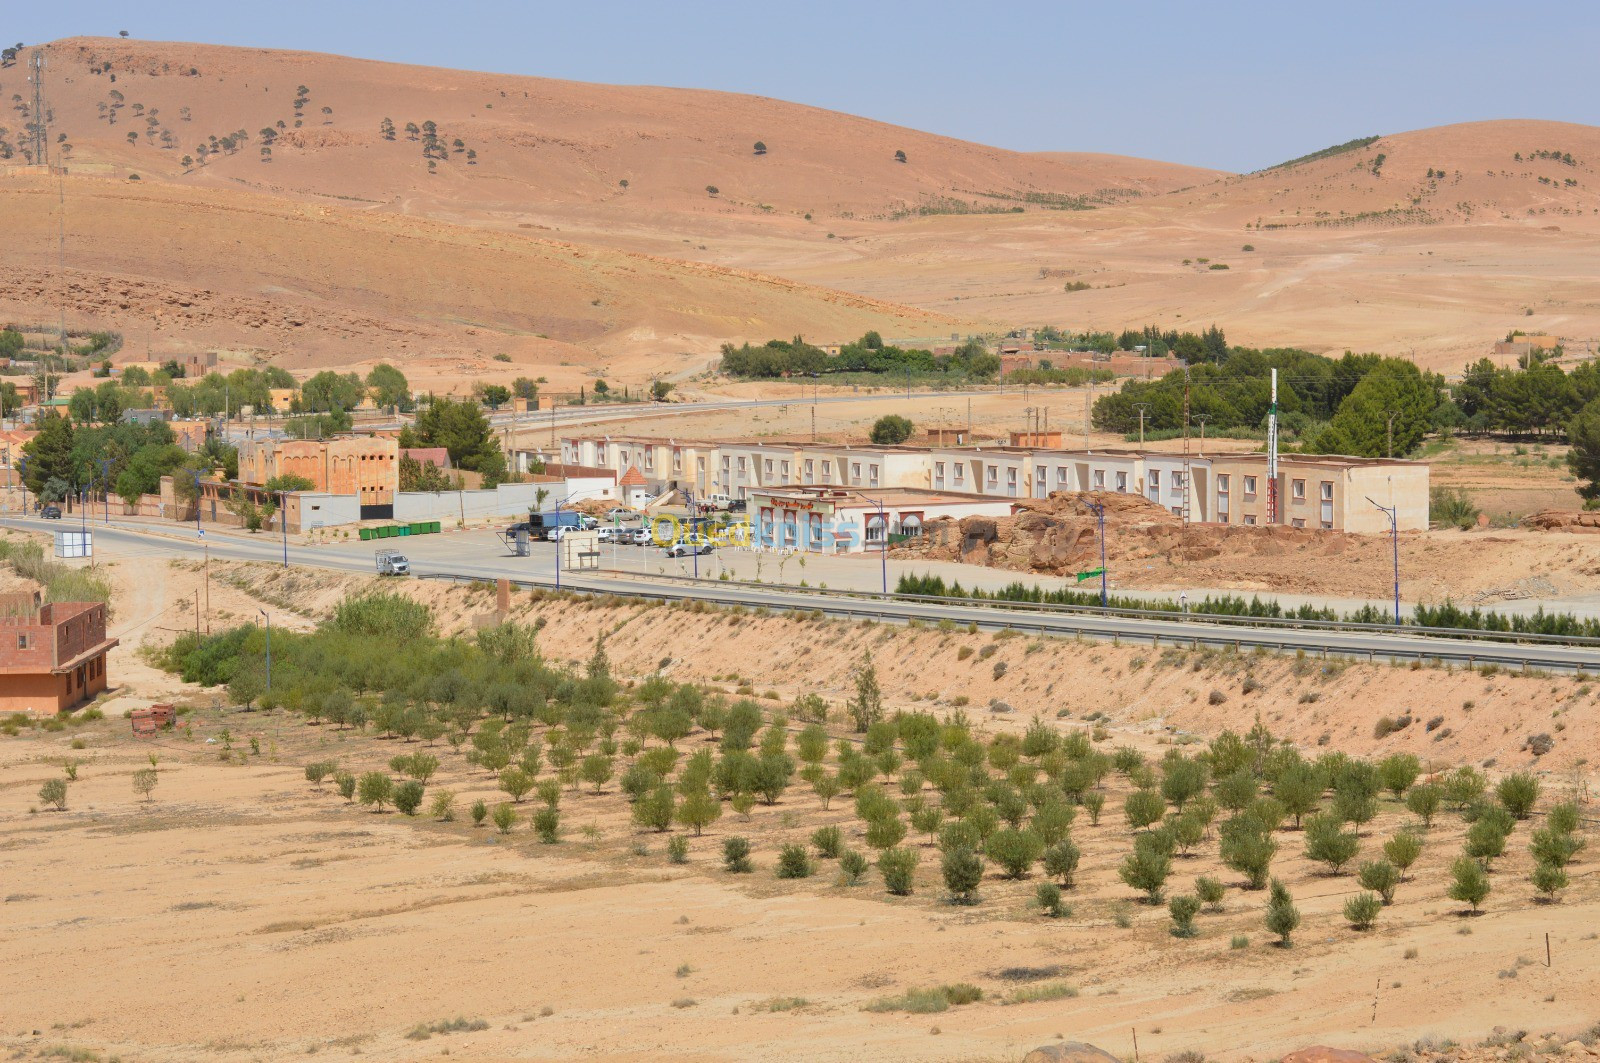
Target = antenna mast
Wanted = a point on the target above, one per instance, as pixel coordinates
(41, 141)
(1272, 453)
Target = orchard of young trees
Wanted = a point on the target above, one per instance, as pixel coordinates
(918, 803)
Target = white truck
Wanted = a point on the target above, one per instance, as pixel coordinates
(393, 563)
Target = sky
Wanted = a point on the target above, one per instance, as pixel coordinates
(1235, 86)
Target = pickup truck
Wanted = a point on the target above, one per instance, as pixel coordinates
(392, 563)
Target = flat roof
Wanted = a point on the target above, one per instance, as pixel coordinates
(888, 496)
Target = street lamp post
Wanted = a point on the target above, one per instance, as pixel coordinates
(883, 547)
(1099, 510)
(197, 529)
(268, 619)
(23, 461)
(1393, 513)
(283, 523)
(105, 486)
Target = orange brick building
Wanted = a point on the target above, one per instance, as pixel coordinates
(52, 657)
(367, 466)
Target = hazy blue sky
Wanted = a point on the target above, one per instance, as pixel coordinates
(1232, 85)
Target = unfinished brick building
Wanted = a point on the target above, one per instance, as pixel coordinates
(52, 657)
(367, 466)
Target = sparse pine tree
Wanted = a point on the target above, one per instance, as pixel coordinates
(1548, 879)
(866, 708)
(1402, 850)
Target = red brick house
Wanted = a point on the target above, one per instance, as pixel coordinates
(53, 658)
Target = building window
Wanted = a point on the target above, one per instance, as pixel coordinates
(1061, 475)
(959, 472)
(994, 475)
(1222, 484)
(872, 475)
(22, 642)
(1099, 479)
(875, 529)
(1249, 489)
(811, 470)
(1298, 522)
(1298, 487)
(769, 466)
(1327, 490)
(1249, 518)
(1122, 481)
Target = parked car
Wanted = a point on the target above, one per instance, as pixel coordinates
(608, 534)
(51, 512)
(737, 505)
(616, 513)
(691, 544)
(641, 536)
(554, 534)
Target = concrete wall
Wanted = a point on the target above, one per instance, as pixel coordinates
(507, 500)
(310, 509)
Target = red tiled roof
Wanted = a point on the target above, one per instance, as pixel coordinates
(632, 478)
(439, 456)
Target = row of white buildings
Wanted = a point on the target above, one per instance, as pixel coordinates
(914, 483)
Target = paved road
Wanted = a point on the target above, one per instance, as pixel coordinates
(477, 555)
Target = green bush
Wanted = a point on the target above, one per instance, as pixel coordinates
(1362, 910)
(1048, 896)
(408, 797)
(505, 816)
(346, 782)
(1554, 847)
(1381, 877)
(736, 856)
(678, 849)
(828, 841)
(1423, 802)
(1016, 851)
(547, 825)
(1328, 842)
(1247, 849)
(318, 770)
(1518, 792)
(794, 862)
(1146, 869)
(1562, 817)
(1210, 891)
(1183, 908)
(54, 794)
(852, 865)
(963, 872)
(375, 788)
(1548, 879)
(1469, 883)
(1282, 916)
(928, 1001)
(1061, 861)
(480, 812)
(1402, 850)
(898, 868)
(1144, 807)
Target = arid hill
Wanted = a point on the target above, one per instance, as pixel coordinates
(1433, 243)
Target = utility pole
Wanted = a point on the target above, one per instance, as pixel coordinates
(1393, 513)
(1389, 415)
(41, 138)
(1143, 406)
(1201, 417)
(1272, 453)
(1186, 469)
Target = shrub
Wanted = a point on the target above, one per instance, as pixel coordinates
(852, 865)
(1554, 847)
(1210, 891)
(1518, 793)
(54, 793)
(1238, 941)
(1485, 840)
(516, 782)
(144, 782)
(1402, 850)
(1548, 879)
(346, 782)
(1562, 817)
(885, 832)
(443, 807)
(828, 841)
(547, 825)
(1248, 850)
(1016, 851)
(928, 1001)
(1398, 772)
(1424, 801)
(963, 872)
(375, 788)
(480, 812)
(898, 868)
(1328, 842)
(505, 816)
(1061, 861)
(794, 862)
(408, 797)
(1144, 807)
(678, 849)
(1183, 908)
(1381, 877)
(1095, 802)
(736, 856)
(1048, 896)
(1282, 916)
(1469, 883)
(1146, 869)
(318, 770)
(1362, 910)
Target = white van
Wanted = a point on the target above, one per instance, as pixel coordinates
(718, 502)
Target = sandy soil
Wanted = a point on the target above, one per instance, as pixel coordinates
(244, 885)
